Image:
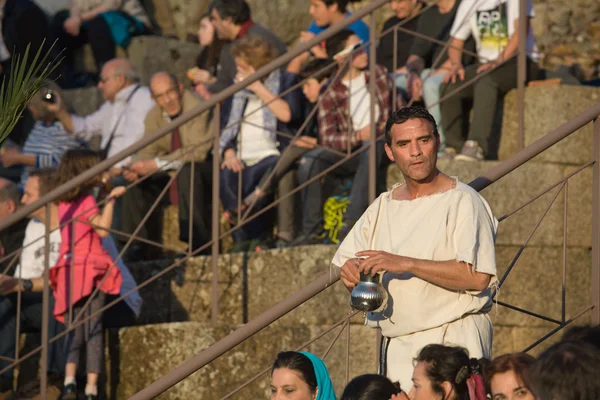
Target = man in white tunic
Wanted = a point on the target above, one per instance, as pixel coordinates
(434, 238)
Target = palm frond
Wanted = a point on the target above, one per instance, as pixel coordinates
(22, 84)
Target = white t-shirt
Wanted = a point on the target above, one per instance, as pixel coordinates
(31, 263)
(491, 22)
(254, 142)
(454, 225)
(360, 102)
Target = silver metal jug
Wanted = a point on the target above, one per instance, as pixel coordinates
(369, 295)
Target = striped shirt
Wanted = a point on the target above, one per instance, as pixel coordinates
(48, 142)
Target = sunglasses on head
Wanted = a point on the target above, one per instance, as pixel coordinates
(349, 49)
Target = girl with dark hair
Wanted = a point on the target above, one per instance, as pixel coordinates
(505, 377)
(447, 373)
(83, 265)
(205, 70)
(300, 376)
(373, 387)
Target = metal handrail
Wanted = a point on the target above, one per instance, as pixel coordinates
(312, 289)
(187, 116)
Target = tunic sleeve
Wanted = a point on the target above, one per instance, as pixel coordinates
(475, 233)
(360, 235)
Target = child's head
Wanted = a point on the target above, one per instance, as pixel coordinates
(254, 51)
(346, 44)
(324, 12)
(74, 163)
(314, 75)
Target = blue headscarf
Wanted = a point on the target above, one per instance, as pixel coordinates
(324, 384)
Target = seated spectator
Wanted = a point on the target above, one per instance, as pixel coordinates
(448, 373)
(497, 43)
(567, 370)
(344, 124)
(407, 13)
(314, 76)
(301, 375)
(373, 387)
(232, 21)
(11, 238)
(250, 144)
(104, 24)
(505, 377)
(325, 14)
(46, 142)
(190, 143)
(120, 120)
(418, 79)
(205, 71)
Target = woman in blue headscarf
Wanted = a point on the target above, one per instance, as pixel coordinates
(300, 376)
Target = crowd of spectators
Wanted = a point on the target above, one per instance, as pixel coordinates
(566, 370)
(271, 141)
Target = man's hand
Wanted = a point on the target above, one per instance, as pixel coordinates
(377, 260)
(456, 71)
(416, 89)
(244, 73)
(57, 106)
(8, 285)
(129, 175)
(306, 142)
(364, 134)
(73, 26)
(202, 91)
(231, 162)
(317, 50)
(144, 167)
(201, 76)
(117, 192)
(350, 275)
(10, 157)
(487, 66)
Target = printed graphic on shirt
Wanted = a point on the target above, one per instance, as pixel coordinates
(492, 26)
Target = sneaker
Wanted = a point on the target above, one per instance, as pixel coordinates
(471, 151)
(447, 154)
(69, 392)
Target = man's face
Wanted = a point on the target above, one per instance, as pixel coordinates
(7, 207)
(167, 95)
(222, 26)
(321, 13)
(110, 84)
(403, 8)
(414, 149)
(311, 88)
(31, 194)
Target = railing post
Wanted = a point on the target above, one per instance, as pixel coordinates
(596, 225)
(372, 138)
(214, 315)
(522, 71)
(45, 308)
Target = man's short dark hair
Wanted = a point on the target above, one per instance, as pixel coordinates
(10, 192)
(337, 42)
(406, 113)
(237, 10)
(318, 68)
(566, 371)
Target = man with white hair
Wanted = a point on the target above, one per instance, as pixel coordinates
(120, 120)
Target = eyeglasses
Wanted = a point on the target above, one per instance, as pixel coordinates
(349, 50)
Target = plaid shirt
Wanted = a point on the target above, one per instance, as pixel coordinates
(335, 124)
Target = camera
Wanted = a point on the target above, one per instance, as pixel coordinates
(49, 96)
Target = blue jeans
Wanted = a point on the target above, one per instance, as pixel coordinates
(431, 96)
(251, 176)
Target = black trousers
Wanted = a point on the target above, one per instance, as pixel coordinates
(138, 200)
(95, 32)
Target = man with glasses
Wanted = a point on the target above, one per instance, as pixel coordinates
(186, 146)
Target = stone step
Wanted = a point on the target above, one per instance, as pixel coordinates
(174, 343)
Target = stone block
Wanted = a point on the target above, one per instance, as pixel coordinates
(83, 101)
(579, 217)
(509, 193)
(503, 342)
(535, 284)
(546, 108)
(174, 343)
(151, 54)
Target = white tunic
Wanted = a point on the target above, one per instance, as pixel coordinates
(457, 224)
